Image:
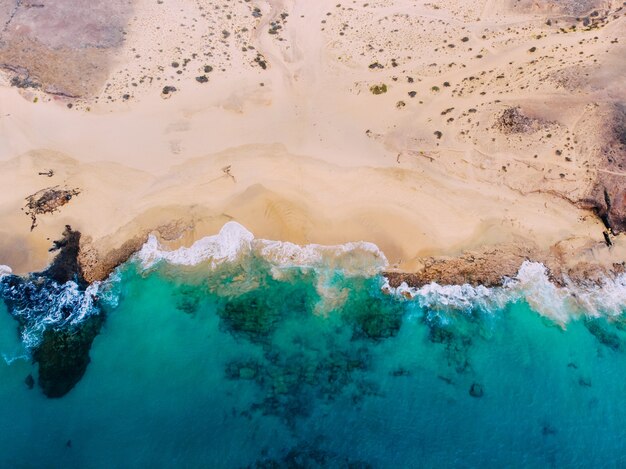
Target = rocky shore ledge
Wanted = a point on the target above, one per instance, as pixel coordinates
(580, 261)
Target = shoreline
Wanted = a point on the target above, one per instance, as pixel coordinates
(577, 262)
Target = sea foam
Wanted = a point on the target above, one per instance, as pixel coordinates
(531, 284)
(226, 246)
(234, 243)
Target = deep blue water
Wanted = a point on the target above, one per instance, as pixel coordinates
(232, 368)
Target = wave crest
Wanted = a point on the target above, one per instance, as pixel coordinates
(40, 303)
(234, 243)
(531, 284)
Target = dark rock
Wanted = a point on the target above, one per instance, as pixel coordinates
(24, 82)
(308, 455)
(400, 372)
(63, 355)
(202, 79)
(65, 266)
(168, 89)
(187, 298)
(603, 132)
(260, 61)
(548, 429)
(457, 345)
(47, 200)
(376, 319)
(476, 390)
(250, 316)
(445, 379)
(604, 336)
(29, 381)
(512, 121)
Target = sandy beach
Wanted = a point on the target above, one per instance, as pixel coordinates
(429, 129)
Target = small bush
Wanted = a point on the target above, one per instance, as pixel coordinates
(379, 89)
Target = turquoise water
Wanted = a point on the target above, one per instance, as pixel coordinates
(235, 368)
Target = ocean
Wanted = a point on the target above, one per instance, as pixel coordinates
(243, 353)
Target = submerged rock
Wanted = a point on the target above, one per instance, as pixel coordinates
(375, 318)
(250, 316)
(476, 390)
(457, 345)
(63, 355)
(29, 381)
(188, 298)
(604, 336)
(309, 455)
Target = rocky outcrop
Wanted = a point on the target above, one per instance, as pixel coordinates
(483, 267)
(513, 121)
(577, 261)
(58, 295)
(65, 266)
(603, 137)
(63, 356)
(97, 266)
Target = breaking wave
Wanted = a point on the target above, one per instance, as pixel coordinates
(531, 284)
(39, 303)
(235, 243)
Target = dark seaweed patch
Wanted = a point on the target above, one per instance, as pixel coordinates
(600, 331)
(309, 455)
(63, 355)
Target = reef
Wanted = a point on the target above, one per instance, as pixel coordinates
(63, 355)
(309, 455)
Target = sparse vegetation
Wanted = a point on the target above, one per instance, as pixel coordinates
(378, 89)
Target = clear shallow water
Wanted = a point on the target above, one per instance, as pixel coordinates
(236, 368)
